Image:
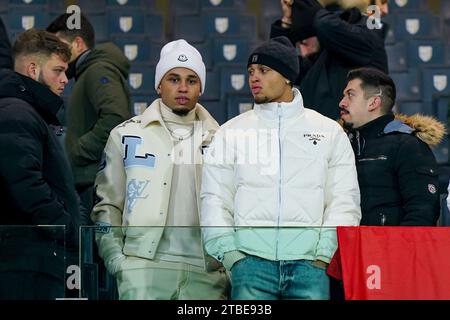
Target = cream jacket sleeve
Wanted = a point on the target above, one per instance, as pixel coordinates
(110, 185)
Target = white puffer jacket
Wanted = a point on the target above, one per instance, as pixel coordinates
(279, 165)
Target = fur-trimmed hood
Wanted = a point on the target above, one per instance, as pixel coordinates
(426, 128)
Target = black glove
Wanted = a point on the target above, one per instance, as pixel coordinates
(303, 12)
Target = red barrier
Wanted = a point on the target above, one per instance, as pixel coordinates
(385, 263)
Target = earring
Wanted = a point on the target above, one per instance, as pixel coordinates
(288, 82)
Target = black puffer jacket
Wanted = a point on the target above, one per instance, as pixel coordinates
(36, 186)
(346, 43)
(397, 171)
(5, 48)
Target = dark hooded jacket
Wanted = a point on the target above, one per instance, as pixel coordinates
(99, 101)
(346, 43)
(397, 171)
(36, 185)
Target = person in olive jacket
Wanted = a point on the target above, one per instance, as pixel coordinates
(36, 186)
(99, 101)
(396, 168)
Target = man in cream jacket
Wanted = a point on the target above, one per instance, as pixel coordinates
(277, 180)
(147, 210)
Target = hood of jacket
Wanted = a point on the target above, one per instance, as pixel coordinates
(108, 53)
(38, 95)
(426, 128)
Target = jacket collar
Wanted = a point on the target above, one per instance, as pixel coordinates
(377, 126)
(153, 114)
(38, 95)
(287, 111)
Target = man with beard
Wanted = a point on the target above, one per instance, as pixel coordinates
(148, 190)
(277, 213)
(397, 171)
(330, 44)
(98, 102)
(36, 186)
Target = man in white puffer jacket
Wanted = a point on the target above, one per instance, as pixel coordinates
(281, 166)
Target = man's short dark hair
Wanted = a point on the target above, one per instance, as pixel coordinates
(86, 31)
(376, 82)
(40, 42)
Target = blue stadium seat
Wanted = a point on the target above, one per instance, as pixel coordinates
(248, 26)
(398, 5)
(136, 49)
(100, 25)
(216, 108)
(149, 5)
(435, 80)
(441, 105)
(396, 57)
(389, 20)
(212, 88)
(141, 80)
(208, 4)
(270, 8)
(126, 21)
(233, 80)
(86, 6)
(407, 84)
(206, 52)
(410, 24)
(414, 107)
(184, 7)
(221, 22)
(29, 2)
(190, 28)
(154, 26)
(230, 50)
(140, 103)
(238, 103)
(425, 52)
(21, 18)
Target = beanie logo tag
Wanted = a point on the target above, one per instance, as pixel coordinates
(182, 58)
(255, 58)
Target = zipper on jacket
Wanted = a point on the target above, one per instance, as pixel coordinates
(279, 180)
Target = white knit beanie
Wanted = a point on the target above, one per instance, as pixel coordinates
(180, 54)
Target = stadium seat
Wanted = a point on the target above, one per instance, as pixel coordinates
(154, 26)
(99, 23)
(435, 80)
(222, 4)
(216, 108)
(212, 88)
(441, 105)
(142, 4)
(126, 21)
(86, 6)
(205, 50)
(396, 57)
(221, 22)
(407, 84)
(238, 103)
(184, 7)
(248, 26)
(136, 49)
(398, 5)
(141, 80)
(425, 52)
(230, 50)
(233, 80)
(29, 2)
(21, 18)
(190, 28)
(140, 103)
(414, 107)
(413, 23)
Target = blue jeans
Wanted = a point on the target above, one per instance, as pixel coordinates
(254, 278)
